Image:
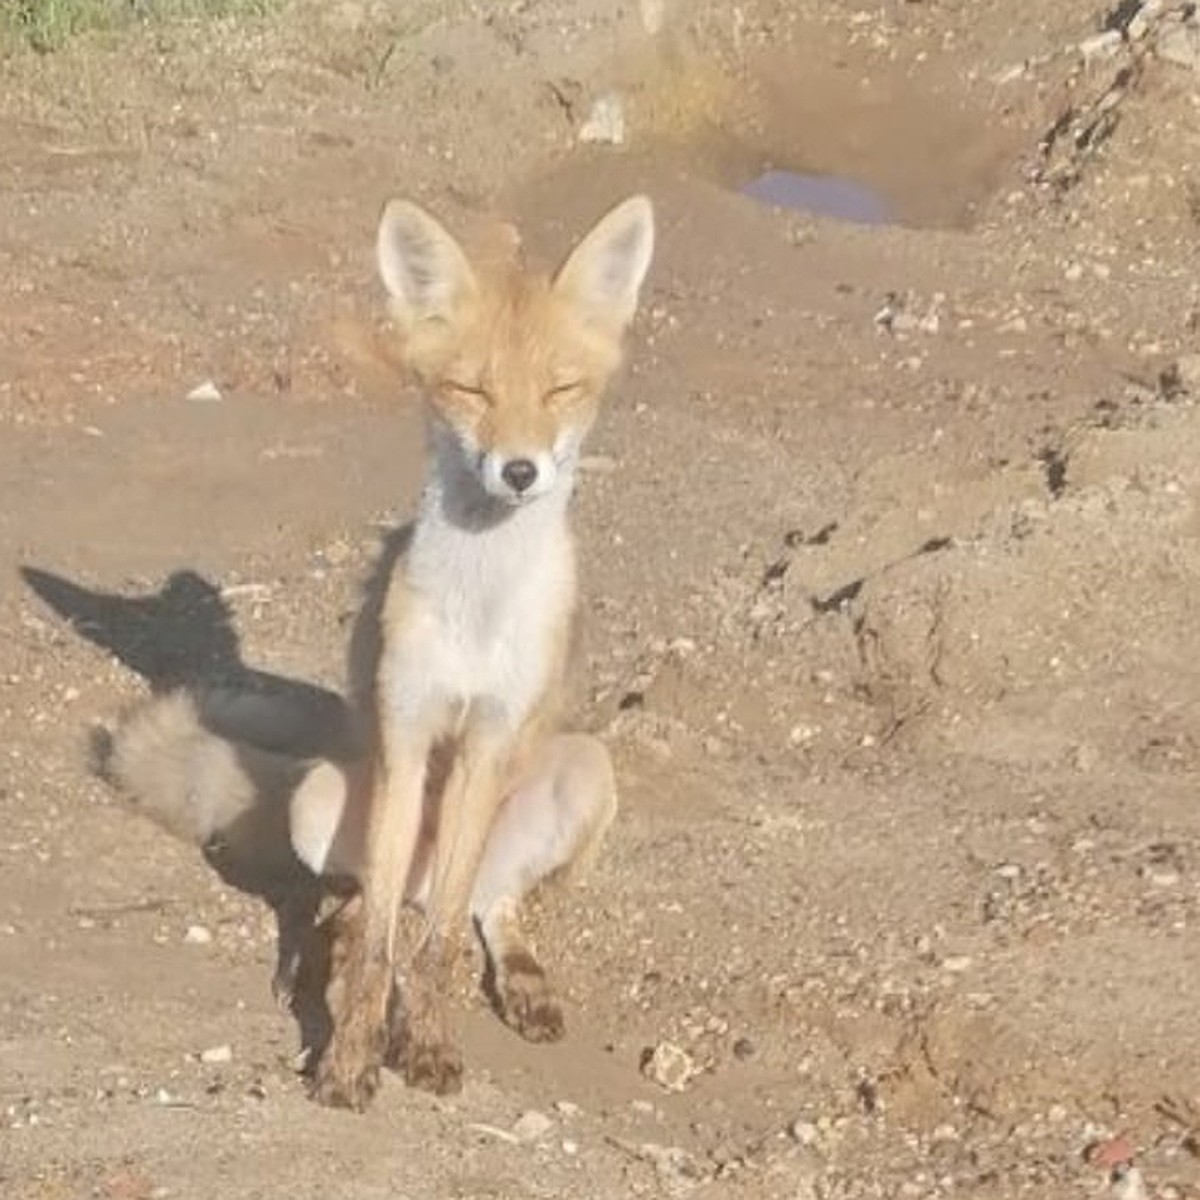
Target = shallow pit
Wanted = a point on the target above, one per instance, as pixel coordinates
(817, 130)
(870, 142)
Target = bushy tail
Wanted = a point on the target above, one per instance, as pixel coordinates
(218, 769)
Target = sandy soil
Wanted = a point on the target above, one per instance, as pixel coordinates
(890, 543)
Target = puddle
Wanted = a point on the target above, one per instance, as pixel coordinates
(818, 128)
(820, 195)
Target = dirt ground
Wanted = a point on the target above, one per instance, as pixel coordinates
(890, 538)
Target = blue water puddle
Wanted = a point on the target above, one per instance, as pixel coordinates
(820, 195)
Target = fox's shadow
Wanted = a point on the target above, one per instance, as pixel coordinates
(182, 638)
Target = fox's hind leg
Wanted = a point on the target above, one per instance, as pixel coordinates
(551, 824)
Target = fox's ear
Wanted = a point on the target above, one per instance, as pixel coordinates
(421, 265)
(604, 273)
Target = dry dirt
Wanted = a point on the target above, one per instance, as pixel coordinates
(890, 544)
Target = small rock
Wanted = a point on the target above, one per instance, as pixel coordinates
(567, 1108)
(216, 1054)
(1111, 1153)
(1011, 74)
(1101, 46)
(206, 392)
(1086, 757)
(1129, 1185)
(532, 1126)
(743, 1049)
(670, 1066)
(606, 121)
(197, 935)
(1162, 877)
(336, 553)
(885, 317)
(1187, 367)
(956, 964)
(1180, 46)
(653, 12)
(1138, 27)
(128, 1183)
(1142, 21)
(804, 1132)
(675, 1167)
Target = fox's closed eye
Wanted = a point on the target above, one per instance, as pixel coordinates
(472, 390)
(562, 391)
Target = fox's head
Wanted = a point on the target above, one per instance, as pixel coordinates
(513, 363)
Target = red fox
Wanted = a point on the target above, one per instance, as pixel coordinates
(464, 793)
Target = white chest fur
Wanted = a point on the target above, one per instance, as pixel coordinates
(484, 604)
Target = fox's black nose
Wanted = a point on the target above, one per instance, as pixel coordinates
(519, 474)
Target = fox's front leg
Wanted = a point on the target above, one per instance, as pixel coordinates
(470, 801)
(347, 1074)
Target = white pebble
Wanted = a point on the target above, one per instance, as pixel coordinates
(957, 963)
(1101, 45)
(206, 392)
(1130, 1186)
(606, 121)
(670, 1066)
(532, 1126)
(804, 1132)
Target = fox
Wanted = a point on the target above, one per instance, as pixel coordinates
(458, 791)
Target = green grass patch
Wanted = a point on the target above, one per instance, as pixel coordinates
(46, 25)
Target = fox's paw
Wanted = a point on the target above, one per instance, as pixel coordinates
(526, 1000)
(337, 1085)
(347, 1075)
(433, 1067)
